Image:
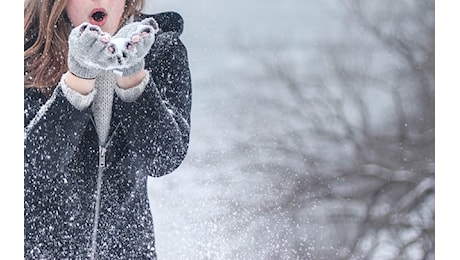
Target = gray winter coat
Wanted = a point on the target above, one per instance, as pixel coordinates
(62, 158)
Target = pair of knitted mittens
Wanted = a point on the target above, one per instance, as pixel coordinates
(92, 51)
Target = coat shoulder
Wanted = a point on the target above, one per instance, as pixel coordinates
(167, 21)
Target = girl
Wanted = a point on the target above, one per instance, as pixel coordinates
(107, 103)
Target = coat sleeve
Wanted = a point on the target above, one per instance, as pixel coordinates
(158, 122)
(52, 129)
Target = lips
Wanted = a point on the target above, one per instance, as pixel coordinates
(98, 16)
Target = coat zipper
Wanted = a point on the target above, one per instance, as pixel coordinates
(97, 208)
(100, 172)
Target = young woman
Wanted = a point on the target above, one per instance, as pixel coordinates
(107, 103)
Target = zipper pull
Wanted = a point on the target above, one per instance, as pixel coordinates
(102, 151)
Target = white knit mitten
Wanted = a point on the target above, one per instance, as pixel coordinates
(132, 42)
(90, 51)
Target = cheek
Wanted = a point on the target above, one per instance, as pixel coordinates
(75, 16)
(116, 13)
(118, 9)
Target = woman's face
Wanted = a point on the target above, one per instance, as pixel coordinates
(104, 13)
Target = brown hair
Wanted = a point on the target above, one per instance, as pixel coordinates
(46, 31)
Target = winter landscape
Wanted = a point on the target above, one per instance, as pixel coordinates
(312, 132)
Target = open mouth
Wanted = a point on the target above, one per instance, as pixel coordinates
(98, 16)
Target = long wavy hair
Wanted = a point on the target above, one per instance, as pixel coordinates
(46, 31)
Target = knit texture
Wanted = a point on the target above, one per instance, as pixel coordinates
(102, 105)
(78, 100)
(102, 99)
(133, 57)
(131, 94)
(88, 53)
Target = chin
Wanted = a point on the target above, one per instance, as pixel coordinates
(110, 29)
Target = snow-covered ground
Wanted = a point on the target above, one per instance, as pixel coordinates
(194, 207)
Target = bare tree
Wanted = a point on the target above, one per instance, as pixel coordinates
(353, 149)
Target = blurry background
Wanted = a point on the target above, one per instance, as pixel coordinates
(313, 132)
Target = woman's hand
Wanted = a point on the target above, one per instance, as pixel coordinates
(90, 51)
(132, 42)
